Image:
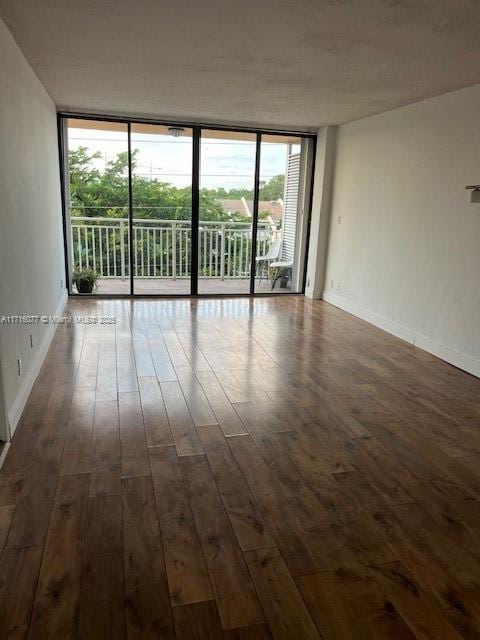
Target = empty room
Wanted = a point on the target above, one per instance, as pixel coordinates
(239, 320)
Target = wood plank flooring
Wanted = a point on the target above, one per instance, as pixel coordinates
(241, 469)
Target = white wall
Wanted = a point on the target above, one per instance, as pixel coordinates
(406, 252)
(32, 278)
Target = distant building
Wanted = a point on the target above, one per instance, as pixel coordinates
(236, 207)
(244, 207)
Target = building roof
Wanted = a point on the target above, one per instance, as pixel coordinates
(236, 206)
(245, 207)
(275, 208)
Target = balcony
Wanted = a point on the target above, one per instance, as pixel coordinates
(162, 254)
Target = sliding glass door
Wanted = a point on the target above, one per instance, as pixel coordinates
(156, 209)
(161, 168)
(282, 213)
(98, 205)
(227, 181)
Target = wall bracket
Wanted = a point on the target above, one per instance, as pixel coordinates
(475, 192)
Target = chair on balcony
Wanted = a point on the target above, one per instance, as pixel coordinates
(263, 262)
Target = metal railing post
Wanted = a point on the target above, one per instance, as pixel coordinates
(222, 244)
(174, 250)
(122, 248)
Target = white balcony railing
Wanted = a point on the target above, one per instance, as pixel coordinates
(162, 248)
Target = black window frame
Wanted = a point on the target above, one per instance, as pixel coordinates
(63, 116)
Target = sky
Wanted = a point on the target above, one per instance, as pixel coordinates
(224, 163)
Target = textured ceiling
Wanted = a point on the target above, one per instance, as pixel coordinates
(295, 63)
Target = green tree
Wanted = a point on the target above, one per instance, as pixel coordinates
(83, 177)
(273, 189)
(94, 193)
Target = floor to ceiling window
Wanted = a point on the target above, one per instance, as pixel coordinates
(227, 181)
(161, 208)
(98, 205)
(192, 210)
(282, 213)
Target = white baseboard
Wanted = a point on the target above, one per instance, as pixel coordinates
(461, 360)
(16, 410)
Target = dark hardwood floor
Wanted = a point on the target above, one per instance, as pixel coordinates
(241, 469)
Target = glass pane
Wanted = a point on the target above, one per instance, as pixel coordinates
(227, 175)
(162, 208)
(281, 225)
(98, 204)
